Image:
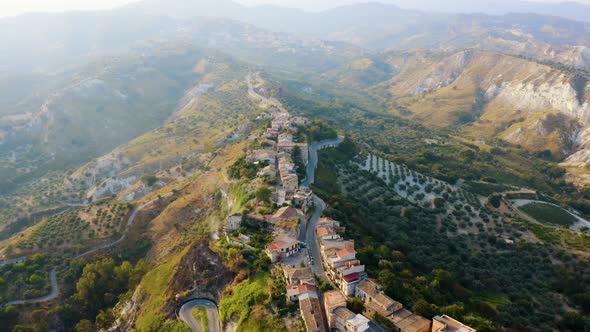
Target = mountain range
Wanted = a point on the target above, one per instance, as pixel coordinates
(39, 41)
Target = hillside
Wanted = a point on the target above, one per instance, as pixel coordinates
(483, 97)
(106, 104)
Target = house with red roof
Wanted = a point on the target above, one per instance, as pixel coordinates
(294, 291)
(282, 248)
(326, 234)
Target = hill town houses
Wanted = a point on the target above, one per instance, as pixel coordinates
(347, 273)
(327, 311)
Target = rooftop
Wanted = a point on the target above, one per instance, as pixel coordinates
(406, 321)
(450, 325)
(352, 277)
(285, 212)
(344, 314)
(345, 252)
(311, 311)
(300, 274)
(324, 231)
(282, 243)
(373, 289)
(359, 320)
(334, 298)
(294, 290)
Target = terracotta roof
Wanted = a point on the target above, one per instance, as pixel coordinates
(324, 231)
(282, 243)
(344, 252)
(293, 290)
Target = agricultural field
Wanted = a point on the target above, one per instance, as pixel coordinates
(435, 263)
(42, 194)
(549, 214)
(25, 280)
(76, 228)
(457, 205)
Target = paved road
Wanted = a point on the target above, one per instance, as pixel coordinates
(14, 260)
(320, 206)
(54, 293)
(312, 243)
(186, 315)
(313, 158)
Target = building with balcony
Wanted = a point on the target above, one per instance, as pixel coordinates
(282, 248)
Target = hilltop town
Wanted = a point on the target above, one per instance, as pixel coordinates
(320, 268)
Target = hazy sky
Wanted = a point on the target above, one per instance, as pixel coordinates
(14, 7)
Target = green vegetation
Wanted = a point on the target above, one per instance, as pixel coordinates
(25, 280)
(75, 227)
(154, 286)
(101, 285)
(242, 169)
(548, 214)
(423, 259)
(149, 179)
(263, 194)
(318, 131)
(445, 158)
(200, 315)
(244, 295)
(485, 188)
(244, 302)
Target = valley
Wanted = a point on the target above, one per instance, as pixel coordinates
(209, 166)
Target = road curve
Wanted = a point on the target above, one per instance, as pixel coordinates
(313, 158)
(54, 293)
(185, 314)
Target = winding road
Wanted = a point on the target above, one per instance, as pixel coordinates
(186, 315)
(52, 276)
(313, 158)
(54, 292)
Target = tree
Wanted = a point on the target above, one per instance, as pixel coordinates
(105, 319)
(453, 310)
(263, 194)
(423, 308)
(149, 179)
(356, 305)
(36, 280)
(84, 326)
(572, 321)
(495, 200)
